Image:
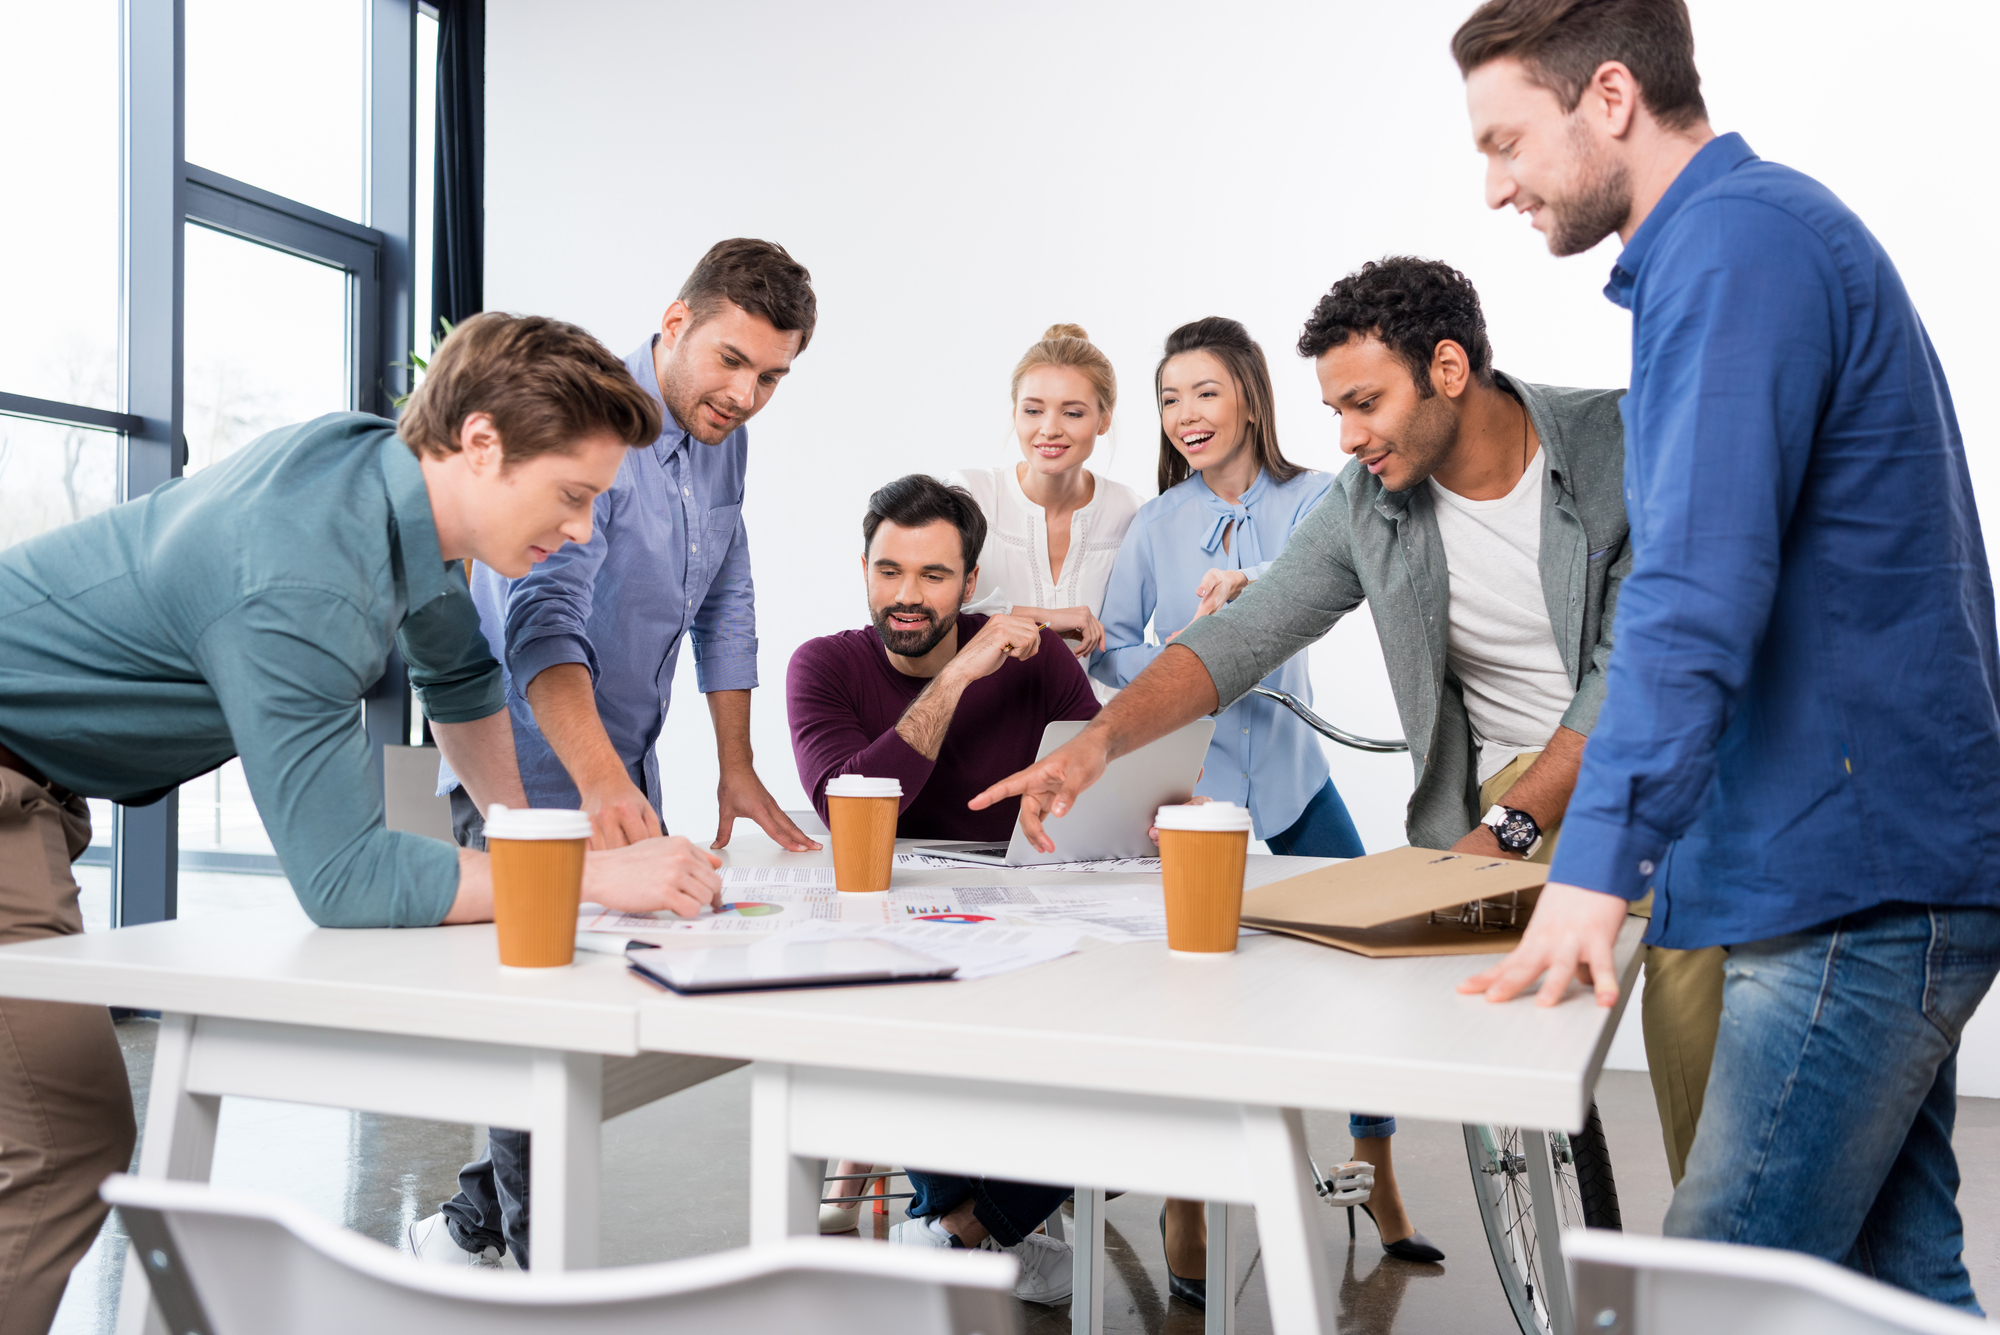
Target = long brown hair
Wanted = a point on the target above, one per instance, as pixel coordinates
(1229, 343)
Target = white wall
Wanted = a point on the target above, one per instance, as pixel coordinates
(959, 176)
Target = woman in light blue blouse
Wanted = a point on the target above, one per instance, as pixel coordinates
(1229, 500)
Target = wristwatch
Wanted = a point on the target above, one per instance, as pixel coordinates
(1515, 829)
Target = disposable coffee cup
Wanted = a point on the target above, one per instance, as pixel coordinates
(537, 858)
(1202, 849)
(861, 817)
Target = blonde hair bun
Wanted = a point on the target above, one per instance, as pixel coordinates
(1066, 331)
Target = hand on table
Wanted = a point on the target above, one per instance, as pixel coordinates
(1049, 787)
(742, 793)
(653, 874)
(1570, 936)
(619, 814)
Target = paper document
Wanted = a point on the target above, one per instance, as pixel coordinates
(1096, 864)
(979, 950)
(797, 876)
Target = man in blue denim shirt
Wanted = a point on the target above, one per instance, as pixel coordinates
(1799, 748)
(590, 639)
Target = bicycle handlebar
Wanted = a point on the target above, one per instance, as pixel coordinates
(1327, 730)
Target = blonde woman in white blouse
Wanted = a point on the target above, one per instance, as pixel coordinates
(1053, 526)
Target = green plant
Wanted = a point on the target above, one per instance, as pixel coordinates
(421, 364)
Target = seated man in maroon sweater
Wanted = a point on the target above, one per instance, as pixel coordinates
(949, 702)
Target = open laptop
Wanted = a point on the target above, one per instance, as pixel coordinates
(1111, 817)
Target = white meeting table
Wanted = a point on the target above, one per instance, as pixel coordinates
(1116, 1067)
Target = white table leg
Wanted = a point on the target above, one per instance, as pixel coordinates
(1296, 1273)
(564, 1166)
(784, 1188)
(1086, 1301)
(180, 1143)
(1220, 1317)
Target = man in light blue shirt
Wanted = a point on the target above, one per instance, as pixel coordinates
(590, 639)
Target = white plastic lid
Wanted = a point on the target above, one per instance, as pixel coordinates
(1204, 816)
(854, 785)
(535, 823)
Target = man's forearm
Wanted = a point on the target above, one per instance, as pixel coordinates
(729, 711)
(1543, 792)
(565, 706)
(1173, 691)
(481, 754)
(924, 723)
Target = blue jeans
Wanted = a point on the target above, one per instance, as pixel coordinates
(1009, 1210)
(1323, 830)
(1826, 1128)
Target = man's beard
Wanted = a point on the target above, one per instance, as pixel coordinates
(912, 643)
(1597, 205)
(685, 405)
(1427, 438)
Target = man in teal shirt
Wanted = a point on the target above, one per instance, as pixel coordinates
(245, 612)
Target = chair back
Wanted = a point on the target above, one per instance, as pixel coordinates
(238, 1263)
(1631, 1284)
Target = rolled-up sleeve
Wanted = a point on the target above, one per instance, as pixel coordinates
(725, 625)
(283, 668)
(1720, 432)
(548, 609)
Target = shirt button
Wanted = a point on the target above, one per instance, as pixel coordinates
(686, 492)
(1246, 732)
(694, 546)
(1645, 866)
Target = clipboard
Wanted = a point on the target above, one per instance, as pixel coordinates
(1383, 905)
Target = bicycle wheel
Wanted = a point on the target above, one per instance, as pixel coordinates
(1506, 1163)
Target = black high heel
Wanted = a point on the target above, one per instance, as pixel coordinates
(1193, 1292)
(1416, 1247)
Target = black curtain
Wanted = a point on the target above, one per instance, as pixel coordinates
(458, 215)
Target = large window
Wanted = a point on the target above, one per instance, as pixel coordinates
(59, 282)
(277, 95)
(200, 253)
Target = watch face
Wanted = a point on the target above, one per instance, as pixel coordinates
(1518, 832)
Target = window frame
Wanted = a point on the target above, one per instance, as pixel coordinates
(163, 193)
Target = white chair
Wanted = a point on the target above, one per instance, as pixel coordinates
(238, 1263)
(1630, 1284)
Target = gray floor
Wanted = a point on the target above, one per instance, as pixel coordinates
(676, 1172)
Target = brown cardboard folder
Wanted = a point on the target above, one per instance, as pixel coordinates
(1380, 905)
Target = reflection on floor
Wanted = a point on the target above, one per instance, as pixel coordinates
(676, 1174)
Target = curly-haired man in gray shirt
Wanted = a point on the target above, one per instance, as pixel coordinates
(1483, 521)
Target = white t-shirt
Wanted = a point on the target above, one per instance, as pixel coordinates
(1014, 565)
(1501, 646)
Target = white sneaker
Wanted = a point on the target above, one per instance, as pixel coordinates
(1047, 1268)
(431, 1242)
(921, 1233)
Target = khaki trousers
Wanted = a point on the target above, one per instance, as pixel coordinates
(65, 1104)
(1679, 1011)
